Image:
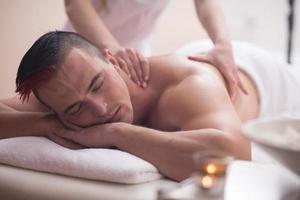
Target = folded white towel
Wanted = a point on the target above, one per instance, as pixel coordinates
(39, 153)
(260, 181)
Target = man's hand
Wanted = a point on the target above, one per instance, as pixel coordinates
(134, 64)
(221, 57)
(98, 136)
(52, 129)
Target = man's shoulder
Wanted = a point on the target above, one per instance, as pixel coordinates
(187, 80)
(195, 87)
(179, 67)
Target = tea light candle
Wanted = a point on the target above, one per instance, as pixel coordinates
(207, 182)
(213, 168)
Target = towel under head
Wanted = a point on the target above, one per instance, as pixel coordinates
(39, 153)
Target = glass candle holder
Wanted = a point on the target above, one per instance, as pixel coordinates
(211, 168)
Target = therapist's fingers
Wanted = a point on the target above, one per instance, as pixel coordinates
(130, 67)
(123, 65)
(241, 86)
(136, 66)
(144, 66)
(202, 58)
(231, 87)
(230, 76)
(233, 81)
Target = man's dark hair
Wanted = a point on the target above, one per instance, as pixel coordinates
(44, 57)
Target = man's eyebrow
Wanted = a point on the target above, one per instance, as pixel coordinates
(94, 79)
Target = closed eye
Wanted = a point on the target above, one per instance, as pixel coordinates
(98, 87)
(76, 109)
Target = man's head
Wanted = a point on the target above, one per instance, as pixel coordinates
(70, 76)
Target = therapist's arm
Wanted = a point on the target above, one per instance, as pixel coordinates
(213, 20)
(88, 23)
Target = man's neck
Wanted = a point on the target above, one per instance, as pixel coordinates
(142, 99)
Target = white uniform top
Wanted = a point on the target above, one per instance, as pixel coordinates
(131, 22)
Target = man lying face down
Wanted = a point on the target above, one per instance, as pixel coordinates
(62, 79)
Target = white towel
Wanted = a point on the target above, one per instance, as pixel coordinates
(250, 180)
(39, 153)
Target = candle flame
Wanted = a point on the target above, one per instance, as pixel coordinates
(211, 168)
(207, 181)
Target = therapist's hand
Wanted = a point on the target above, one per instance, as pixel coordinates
(221, 57)
(133, 63)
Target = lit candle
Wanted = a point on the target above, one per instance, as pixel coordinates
(213, 168)
(211, 174)
(207, 182)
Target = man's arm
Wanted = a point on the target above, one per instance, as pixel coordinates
(171, 152)
(17, 119)
(30, 119)
(15, 123)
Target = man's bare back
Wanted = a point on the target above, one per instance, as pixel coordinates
(190, 88)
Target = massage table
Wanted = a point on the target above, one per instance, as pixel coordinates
(246, 180)
(23, 184)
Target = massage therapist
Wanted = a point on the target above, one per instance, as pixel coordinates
(124, 28)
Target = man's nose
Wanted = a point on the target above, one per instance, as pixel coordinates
(98, 106)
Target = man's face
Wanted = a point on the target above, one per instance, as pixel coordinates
(87, 91)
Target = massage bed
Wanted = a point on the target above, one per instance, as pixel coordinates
(246, 180)
(45, 170)
(23, 184)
